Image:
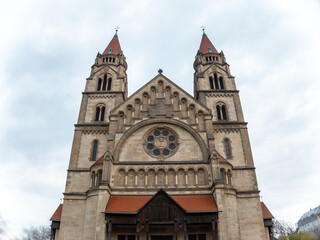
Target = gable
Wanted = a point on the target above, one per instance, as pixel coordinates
(160, 97)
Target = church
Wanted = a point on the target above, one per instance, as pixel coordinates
(161, 164)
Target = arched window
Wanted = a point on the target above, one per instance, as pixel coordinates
(100, 112)
(99, 176)
(216, 84)
(211, 82)
(104, 85)
(103, 109)
(93, 179)
(94, 150)
(97, 114)
(222, 174)
(221, 83)
(109, 84)
(99, 84)
(227, 148)
(229, 177)
(221, 111)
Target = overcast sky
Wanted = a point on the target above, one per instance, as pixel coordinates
(48, 47)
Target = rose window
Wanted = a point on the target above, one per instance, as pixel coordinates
(161, 143)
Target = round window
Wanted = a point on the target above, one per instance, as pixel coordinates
(161, 143)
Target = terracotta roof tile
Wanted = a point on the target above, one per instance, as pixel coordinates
(113, 47)
(196, 203)
(222, 159)
(100, 160)
(57, 214)
(205, 44)
(265, 211)
(129, 204)
(132, 204)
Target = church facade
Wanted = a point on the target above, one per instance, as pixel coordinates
(161, 164)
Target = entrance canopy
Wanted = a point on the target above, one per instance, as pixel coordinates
(188, 203)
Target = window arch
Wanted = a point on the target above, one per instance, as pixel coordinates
(100, 112)
(104, 85)
(211, 83)
(99, 176)
(99, 84)
(221, 82)
(94, 150)
(223, 175)
(227, 148)
(109, 84)
(93, 179)
(221, 111)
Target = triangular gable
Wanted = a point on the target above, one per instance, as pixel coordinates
(166, 83)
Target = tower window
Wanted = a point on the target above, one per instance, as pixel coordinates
(99, 176)
(99, 84)
(109, 84)
(97, 114)
(211, 82)
(209, 49)
(221, 111)
(110, 50)
(221, 83)
(104, 85)
(100, 112)
(94, 150)
(216, 84)
(227, 148)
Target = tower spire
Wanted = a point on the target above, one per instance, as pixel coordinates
(206, 46)
(114, 45)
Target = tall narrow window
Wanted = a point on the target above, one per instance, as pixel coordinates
(103, 109)
(216, 84)
(227, 148)
(224, 113)
(211, 82)
(109, 84)
(97, 113)
(222, 174)
(94, 150)
(99, 84)
(221, 83)
(99, 176)
(218, 113)
(221, 111)
(104, 83)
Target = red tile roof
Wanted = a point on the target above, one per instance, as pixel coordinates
(196, 203)
(222, 159)
(132, 204)
(100, 160)
(57, 214)
(265, 211)
(205, 44)
(113, 47)
(126, 203)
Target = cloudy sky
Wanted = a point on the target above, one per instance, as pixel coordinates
(48, 47)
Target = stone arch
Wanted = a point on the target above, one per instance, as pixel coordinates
(151, 177)
(121, 177)
(131, 178)
(141, 177)
(183, 125)
(181, 177)
(161, 174)
(191, 177)
(171, 177)
(202, 178)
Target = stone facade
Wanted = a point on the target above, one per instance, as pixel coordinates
(161, 137)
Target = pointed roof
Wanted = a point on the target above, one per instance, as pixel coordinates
(57, 214)
(113, 47)
(206, 46)
(265, 211)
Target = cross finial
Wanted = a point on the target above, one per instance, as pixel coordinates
(160, 71)
(117, 28)
(203, 28)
